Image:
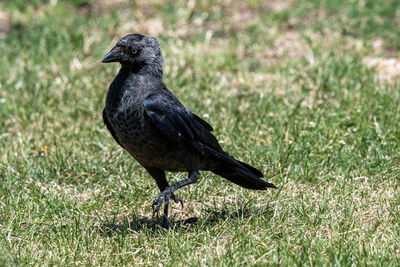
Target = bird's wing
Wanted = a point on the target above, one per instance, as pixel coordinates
(177, 123)
(109, 127)
(180, 125)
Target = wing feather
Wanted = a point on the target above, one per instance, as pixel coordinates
(177, 123)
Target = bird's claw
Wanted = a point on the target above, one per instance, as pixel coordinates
(164, 196)
(177, 199)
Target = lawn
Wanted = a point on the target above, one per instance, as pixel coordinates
(306, 91)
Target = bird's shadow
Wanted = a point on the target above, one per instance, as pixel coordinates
(152, 226)
(144, 224)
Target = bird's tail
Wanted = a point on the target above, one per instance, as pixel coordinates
(234, 170)
(243, 174)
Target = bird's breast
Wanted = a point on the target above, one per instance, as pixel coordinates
(129, 123)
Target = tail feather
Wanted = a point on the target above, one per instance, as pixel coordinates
(243, 177)
(235, 171)
(252, 169)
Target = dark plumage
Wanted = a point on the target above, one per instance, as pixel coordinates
(147, 120)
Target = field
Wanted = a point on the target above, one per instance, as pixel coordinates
(306, 91)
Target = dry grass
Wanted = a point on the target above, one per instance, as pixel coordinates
(286, 85)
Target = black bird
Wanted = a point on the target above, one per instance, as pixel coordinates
(149, 121)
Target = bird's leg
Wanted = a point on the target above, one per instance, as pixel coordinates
(173, 196)
(169, 191)
(161, 180)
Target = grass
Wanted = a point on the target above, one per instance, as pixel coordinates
(286, 87)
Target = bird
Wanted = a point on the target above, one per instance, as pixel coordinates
(147, 120)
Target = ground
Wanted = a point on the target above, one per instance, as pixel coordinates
(306, 91)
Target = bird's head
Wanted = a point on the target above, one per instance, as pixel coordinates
(136, 50)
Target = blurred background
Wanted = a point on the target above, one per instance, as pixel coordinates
(307, 91)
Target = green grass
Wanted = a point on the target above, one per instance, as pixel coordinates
(286, 89)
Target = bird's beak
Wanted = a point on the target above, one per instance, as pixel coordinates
(115, 55)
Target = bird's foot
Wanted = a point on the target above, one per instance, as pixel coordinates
(162, 197)
(177, 199)
(165, 196)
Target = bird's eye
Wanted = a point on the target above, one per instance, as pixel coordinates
(134, 51)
